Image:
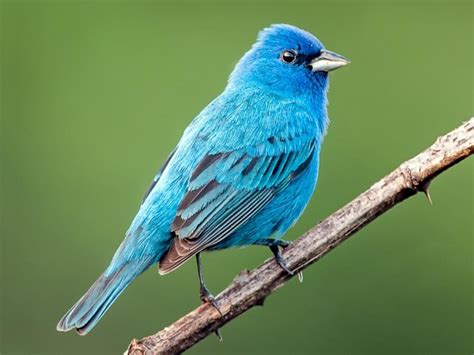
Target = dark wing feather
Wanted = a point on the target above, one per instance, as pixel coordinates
(228, 190)
(218, 229)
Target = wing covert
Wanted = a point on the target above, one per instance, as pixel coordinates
(226, 190)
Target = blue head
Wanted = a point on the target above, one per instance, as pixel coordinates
(287, 60)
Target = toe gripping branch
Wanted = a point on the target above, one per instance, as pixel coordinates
(276, 246)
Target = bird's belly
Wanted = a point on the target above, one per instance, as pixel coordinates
(279, 215)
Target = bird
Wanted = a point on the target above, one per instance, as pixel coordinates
(242, 173)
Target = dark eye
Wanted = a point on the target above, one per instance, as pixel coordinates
(288, 56)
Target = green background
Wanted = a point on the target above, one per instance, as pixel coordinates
(95, 94)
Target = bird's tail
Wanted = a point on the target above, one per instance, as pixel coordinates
(90, 308)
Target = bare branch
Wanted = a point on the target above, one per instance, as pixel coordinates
(250, 288)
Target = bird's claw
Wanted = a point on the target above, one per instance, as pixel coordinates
(275, 248)
(207, 297)
(283, 243)
(283, 265)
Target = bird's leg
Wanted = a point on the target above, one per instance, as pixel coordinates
(275, 245)
(204, 294)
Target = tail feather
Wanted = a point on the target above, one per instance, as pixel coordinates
(90, 308)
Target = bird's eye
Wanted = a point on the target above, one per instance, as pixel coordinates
(288, 56)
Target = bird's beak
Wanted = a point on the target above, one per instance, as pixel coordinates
(328, 61)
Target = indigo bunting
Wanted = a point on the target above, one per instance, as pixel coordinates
(242, 173)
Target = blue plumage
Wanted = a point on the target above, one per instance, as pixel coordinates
(242, 173)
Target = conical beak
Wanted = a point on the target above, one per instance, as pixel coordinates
(328, 61)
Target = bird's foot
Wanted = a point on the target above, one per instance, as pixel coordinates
(269, 242)
(284, 244)
(275, 248)
(207, 297)
(281, 243)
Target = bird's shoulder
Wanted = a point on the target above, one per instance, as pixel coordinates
(250, 117)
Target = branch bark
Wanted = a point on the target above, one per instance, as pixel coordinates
(250, 288)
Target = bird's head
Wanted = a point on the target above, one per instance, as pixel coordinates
(286, 59)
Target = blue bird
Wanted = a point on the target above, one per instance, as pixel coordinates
(242, 173)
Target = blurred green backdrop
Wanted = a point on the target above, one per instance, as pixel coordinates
(94, 96)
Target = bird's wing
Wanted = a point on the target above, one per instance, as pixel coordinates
(227, 189)
(158, 175)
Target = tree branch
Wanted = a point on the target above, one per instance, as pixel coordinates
(250, 288)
